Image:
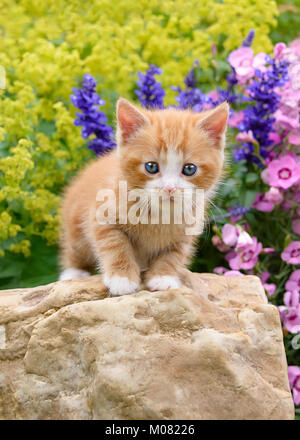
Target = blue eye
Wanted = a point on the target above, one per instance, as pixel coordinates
(152, 167)
(189, 169)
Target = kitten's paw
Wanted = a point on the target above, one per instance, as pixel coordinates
(69, 274)
(118, 286)
(164, 282)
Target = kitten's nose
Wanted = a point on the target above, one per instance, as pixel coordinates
(170, 189)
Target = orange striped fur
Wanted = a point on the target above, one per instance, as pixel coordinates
(129, 254)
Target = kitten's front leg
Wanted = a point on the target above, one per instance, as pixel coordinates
(164, 271)
(121, 273)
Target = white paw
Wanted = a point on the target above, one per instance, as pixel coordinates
(69, 274)
(118, 286)
(165, 282)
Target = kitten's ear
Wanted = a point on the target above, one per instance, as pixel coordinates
(215, 123)
(130, 120)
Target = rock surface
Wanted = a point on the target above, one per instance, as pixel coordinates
(211, 350)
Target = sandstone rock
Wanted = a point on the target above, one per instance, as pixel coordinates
(211, 350)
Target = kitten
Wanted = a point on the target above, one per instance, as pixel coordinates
(159, 151)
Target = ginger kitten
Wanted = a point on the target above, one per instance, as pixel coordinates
(159, 151)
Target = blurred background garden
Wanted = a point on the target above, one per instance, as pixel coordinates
(66, 62)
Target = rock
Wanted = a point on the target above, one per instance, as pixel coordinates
(211, 350)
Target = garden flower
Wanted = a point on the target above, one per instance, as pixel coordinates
(219, 244)
(293, 283)
(261, 203)
(244, 239)
(269, 287)
(245, 258)
(245, 137)
(92, 120)
(296, 226)
(290, 314)
(230, 234)
(283, 172)
(291, 254)
(274, 195)
(150, 93)
(244, 63)
(220, 270)
(233, 273)
(235, 119)
(279, 50)
(294, 379)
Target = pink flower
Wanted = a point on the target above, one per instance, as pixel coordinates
(230, 234)
(291, 314)
(275, 138)
(219, 270)
(268, 250)
(294, 139)
(218, 243)
(244, 239)
(291, 254)
(274, 195)
(262, 204)
(245, 258)
(270, 288)
(293, 283)
(242, 60)
(296, 226)
(233, 273)
(283, 172)
(294, 72)
(291, 299)
(245, 137)
(295, 46)
(236, 119)
(265, 176)
(294, 379)
(278, 50)
(244, 63)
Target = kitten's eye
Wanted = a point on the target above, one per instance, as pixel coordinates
(152, 167)
(189, 169)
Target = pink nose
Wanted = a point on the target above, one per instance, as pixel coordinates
(170, 189)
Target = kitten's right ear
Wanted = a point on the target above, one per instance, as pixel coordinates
(130, 119)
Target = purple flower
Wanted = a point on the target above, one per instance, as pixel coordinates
(150, 93)
(291, 254)
(293, 283)
(258, 117)
(92, 120)
(249, 39)
(296, 226)
(294, 379)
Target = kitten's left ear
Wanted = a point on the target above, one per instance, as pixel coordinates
(130, 119)
(215, 123)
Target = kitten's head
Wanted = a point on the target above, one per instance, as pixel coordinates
(170, 150)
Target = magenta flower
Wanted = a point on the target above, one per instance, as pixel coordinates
(245, 63)
(236, 119)
(262, 204)
(290, 313)
(283, 172)
(245, 258)
(219, 244)
(293, 283)
(274, 195)
(291, 254)
(270, 288)
(245, 137)
(279, 50)
(296, 226)
(219, 270)
(294, 379)
(233, 273)
(230, 234)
